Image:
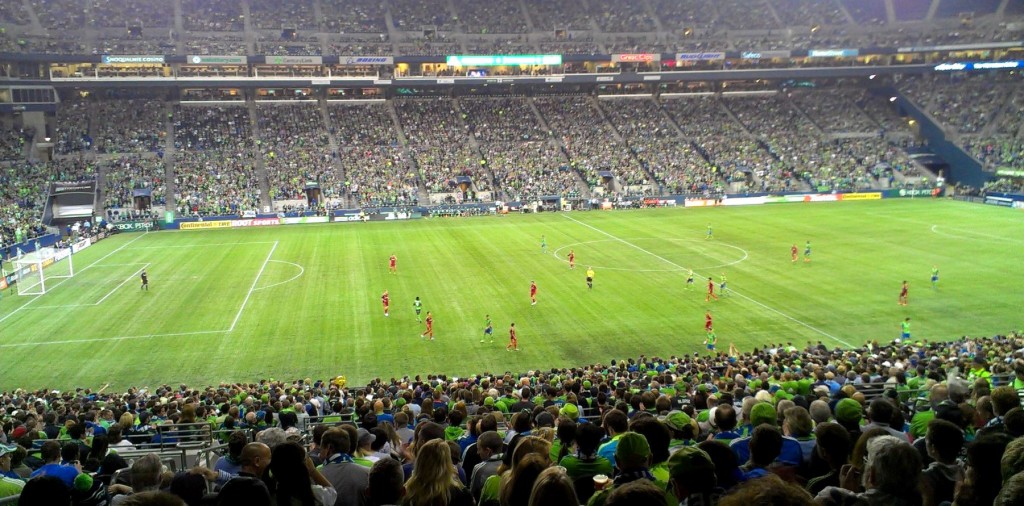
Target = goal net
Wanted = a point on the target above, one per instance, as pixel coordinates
(36, 269)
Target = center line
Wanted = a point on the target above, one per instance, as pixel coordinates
(663, 259)
(253, 287)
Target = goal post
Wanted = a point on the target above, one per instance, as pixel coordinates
(34, 270)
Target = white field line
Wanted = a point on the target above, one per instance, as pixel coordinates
(302, 271)
(253, 287)
(121, 265)
(106, 339)
(116, 288)
(663, 259)
(61, 282)
(206, 244)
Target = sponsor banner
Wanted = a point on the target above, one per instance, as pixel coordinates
(305, 219)
(833, 53)
(860, 196)
(73, 187)
(366, 60)
(959, 47)
(350, 217)
(909, 192)
(133, 226)
(127, 58)
(503, 59)
(257, 222)
(295, 60)
(1010, 173)
(738, 201)
(635, 58)
(446, 80)
(767, 55)
(999, 201)
(214, 59)
(556, 79)
(716, 55)
(603, 79)
(197, 225)
(801, 197)
(1017, 204)
(656, 202)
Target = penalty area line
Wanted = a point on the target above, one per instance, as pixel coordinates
(87, 267)
(253, 287)
(663, 259)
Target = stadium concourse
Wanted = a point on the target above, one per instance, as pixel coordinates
(898, 423)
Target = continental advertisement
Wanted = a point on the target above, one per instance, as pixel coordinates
(861, 196)
(199, 225)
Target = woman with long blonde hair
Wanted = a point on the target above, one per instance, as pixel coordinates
(434, 481)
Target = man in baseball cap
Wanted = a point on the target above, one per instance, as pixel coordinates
(692, 477)
(10, 483)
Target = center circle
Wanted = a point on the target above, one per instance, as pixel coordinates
(742, 254)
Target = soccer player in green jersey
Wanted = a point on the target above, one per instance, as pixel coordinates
(905, 327)
(543, 245)
(935, 277)
(709, 235)
(710, 340)
(418, 306)
(689, 279)
(723, 287)
(807, 251)
(488, 330)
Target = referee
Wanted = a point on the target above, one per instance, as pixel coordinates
(590, 278)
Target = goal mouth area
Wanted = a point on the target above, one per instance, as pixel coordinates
(34, 269)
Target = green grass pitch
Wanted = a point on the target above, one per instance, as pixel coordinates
(290, 302)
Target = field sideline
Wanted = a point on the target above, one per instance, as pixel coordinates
(289, 302)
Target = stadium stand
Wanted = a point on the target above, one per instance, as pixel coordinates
(890, 402)
(216, 159)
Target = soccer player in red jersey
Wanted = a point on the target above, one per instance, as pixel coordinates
(533, 293)
(707, 321)
(386, 300)
(572, 259)
(794, 251)
(711, 290)
(513, 341)
(430, 327)
(903, 294)
(393, 264)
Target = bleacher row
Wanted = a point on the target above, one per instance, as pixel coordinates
(643, 420)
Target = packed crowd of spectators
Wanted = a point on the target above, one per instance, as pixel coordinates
(526, 171)
(123, 13)
(902, 423)
(966, 103)
(617, 17)
(438, 136)
(23, 189)
(212, 128)
(725, 144)
(833, 111)
(13, 141)
(353, 16)
(296, 150)
(125, 174)
(203, 16)
(212, 182)
(274, 15)
(72, 131)
(549, 16)
(490, 17)
(414, 15)
(129, 126)
(221, 45)
(591, 143)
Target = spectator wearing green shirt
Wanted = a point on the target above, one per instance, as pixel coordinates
(919, 422)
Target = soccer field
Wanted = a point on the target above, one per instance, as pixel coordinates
(304, 301)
